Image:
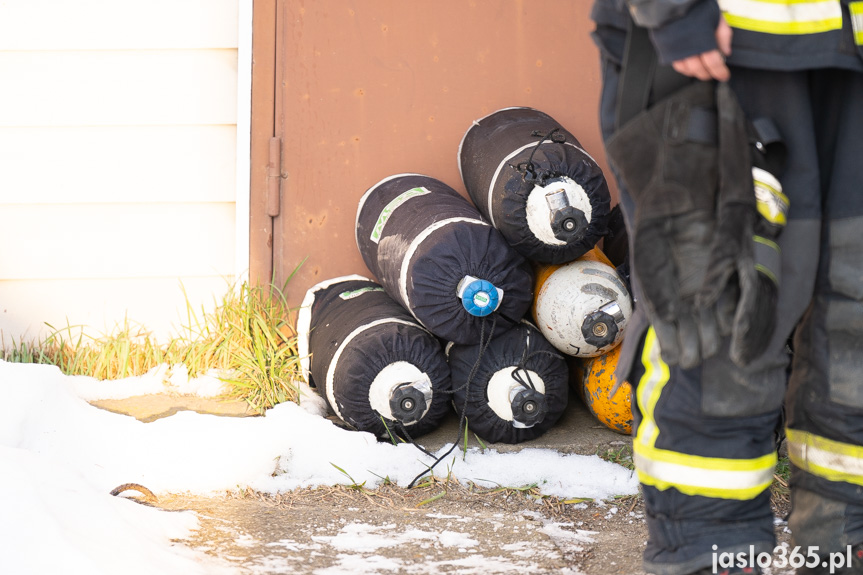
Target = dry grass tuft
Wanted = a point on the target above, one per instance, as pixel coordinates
(246, 340)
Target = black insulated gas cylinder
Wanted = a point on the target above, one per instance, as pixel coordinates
(435, 255)
(534, 181)
(519, 389)
(378, 370)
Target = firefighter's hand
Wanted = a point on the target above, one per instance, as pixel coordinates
(710, 64)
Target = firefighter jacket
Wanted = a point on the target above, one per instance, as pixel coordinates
(768, 34)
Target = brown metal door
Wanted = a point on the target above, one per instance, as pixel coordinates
(365, 89)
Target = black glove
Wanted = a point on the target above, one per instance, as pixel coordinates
(687, 162)
(667, 157)
(745, 259)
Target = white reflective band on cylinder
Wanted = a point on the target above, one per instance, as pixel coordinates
(791, 11)
(331, 372)
(412, 248)
(504, 163)
(304, 319)
(703, 478)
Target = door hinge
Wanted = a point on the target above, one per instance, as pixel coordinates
(274, 177)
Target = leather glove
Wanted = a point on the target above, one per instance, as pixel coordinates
(667, 157)
(687, 162)
(750, 213)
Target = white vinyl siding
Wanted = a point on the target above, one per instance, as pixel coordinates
(120, 88)
(118, 161)
(122, 164)
(34, 25)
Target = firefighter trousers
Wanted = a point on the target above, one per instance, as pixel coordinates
(704, 444)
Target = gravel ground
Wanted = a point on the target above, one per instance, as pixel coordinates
(391, 530)
(441, 528)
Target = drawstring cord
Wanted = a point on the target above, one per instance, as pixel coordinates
(528, 169)
(483, 346)
(522, 366)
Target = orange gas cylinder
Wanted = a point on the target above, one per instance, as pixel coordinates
(595, 384)
(581, 307)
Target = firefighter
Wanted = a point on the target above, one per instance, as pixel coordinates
(707, 346)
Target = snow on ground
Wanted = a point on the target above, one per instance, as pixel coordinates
(162, 379)
(61, 456)
(56, 520)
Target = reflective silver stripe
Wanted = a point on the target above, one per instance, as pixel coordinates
(833, 460)
(332, 369)
(412, 248)
(702, 478)
(809, 454)
(655, 375)
(772, 204)
(690, 474)
(784, 11)
(856, 10)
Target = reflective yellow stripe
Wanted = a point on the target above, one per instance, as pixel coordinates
(649, 388)
(762, 267)
(827, 458)
(767, 242)
(690, 474)
(856, 9)
(706, 476)
(783, 16)
(767, 272)
(771, 202)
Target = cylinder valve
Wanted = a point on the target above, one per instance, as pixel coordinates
(528, 406)
(567, 221)
(409, 401)
(479, 297)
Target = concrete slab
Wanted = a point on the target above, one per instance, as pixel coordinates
(148, 408)
(577, 432)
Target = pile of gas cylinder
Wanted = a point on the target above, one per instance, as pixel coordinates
(493, 308)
